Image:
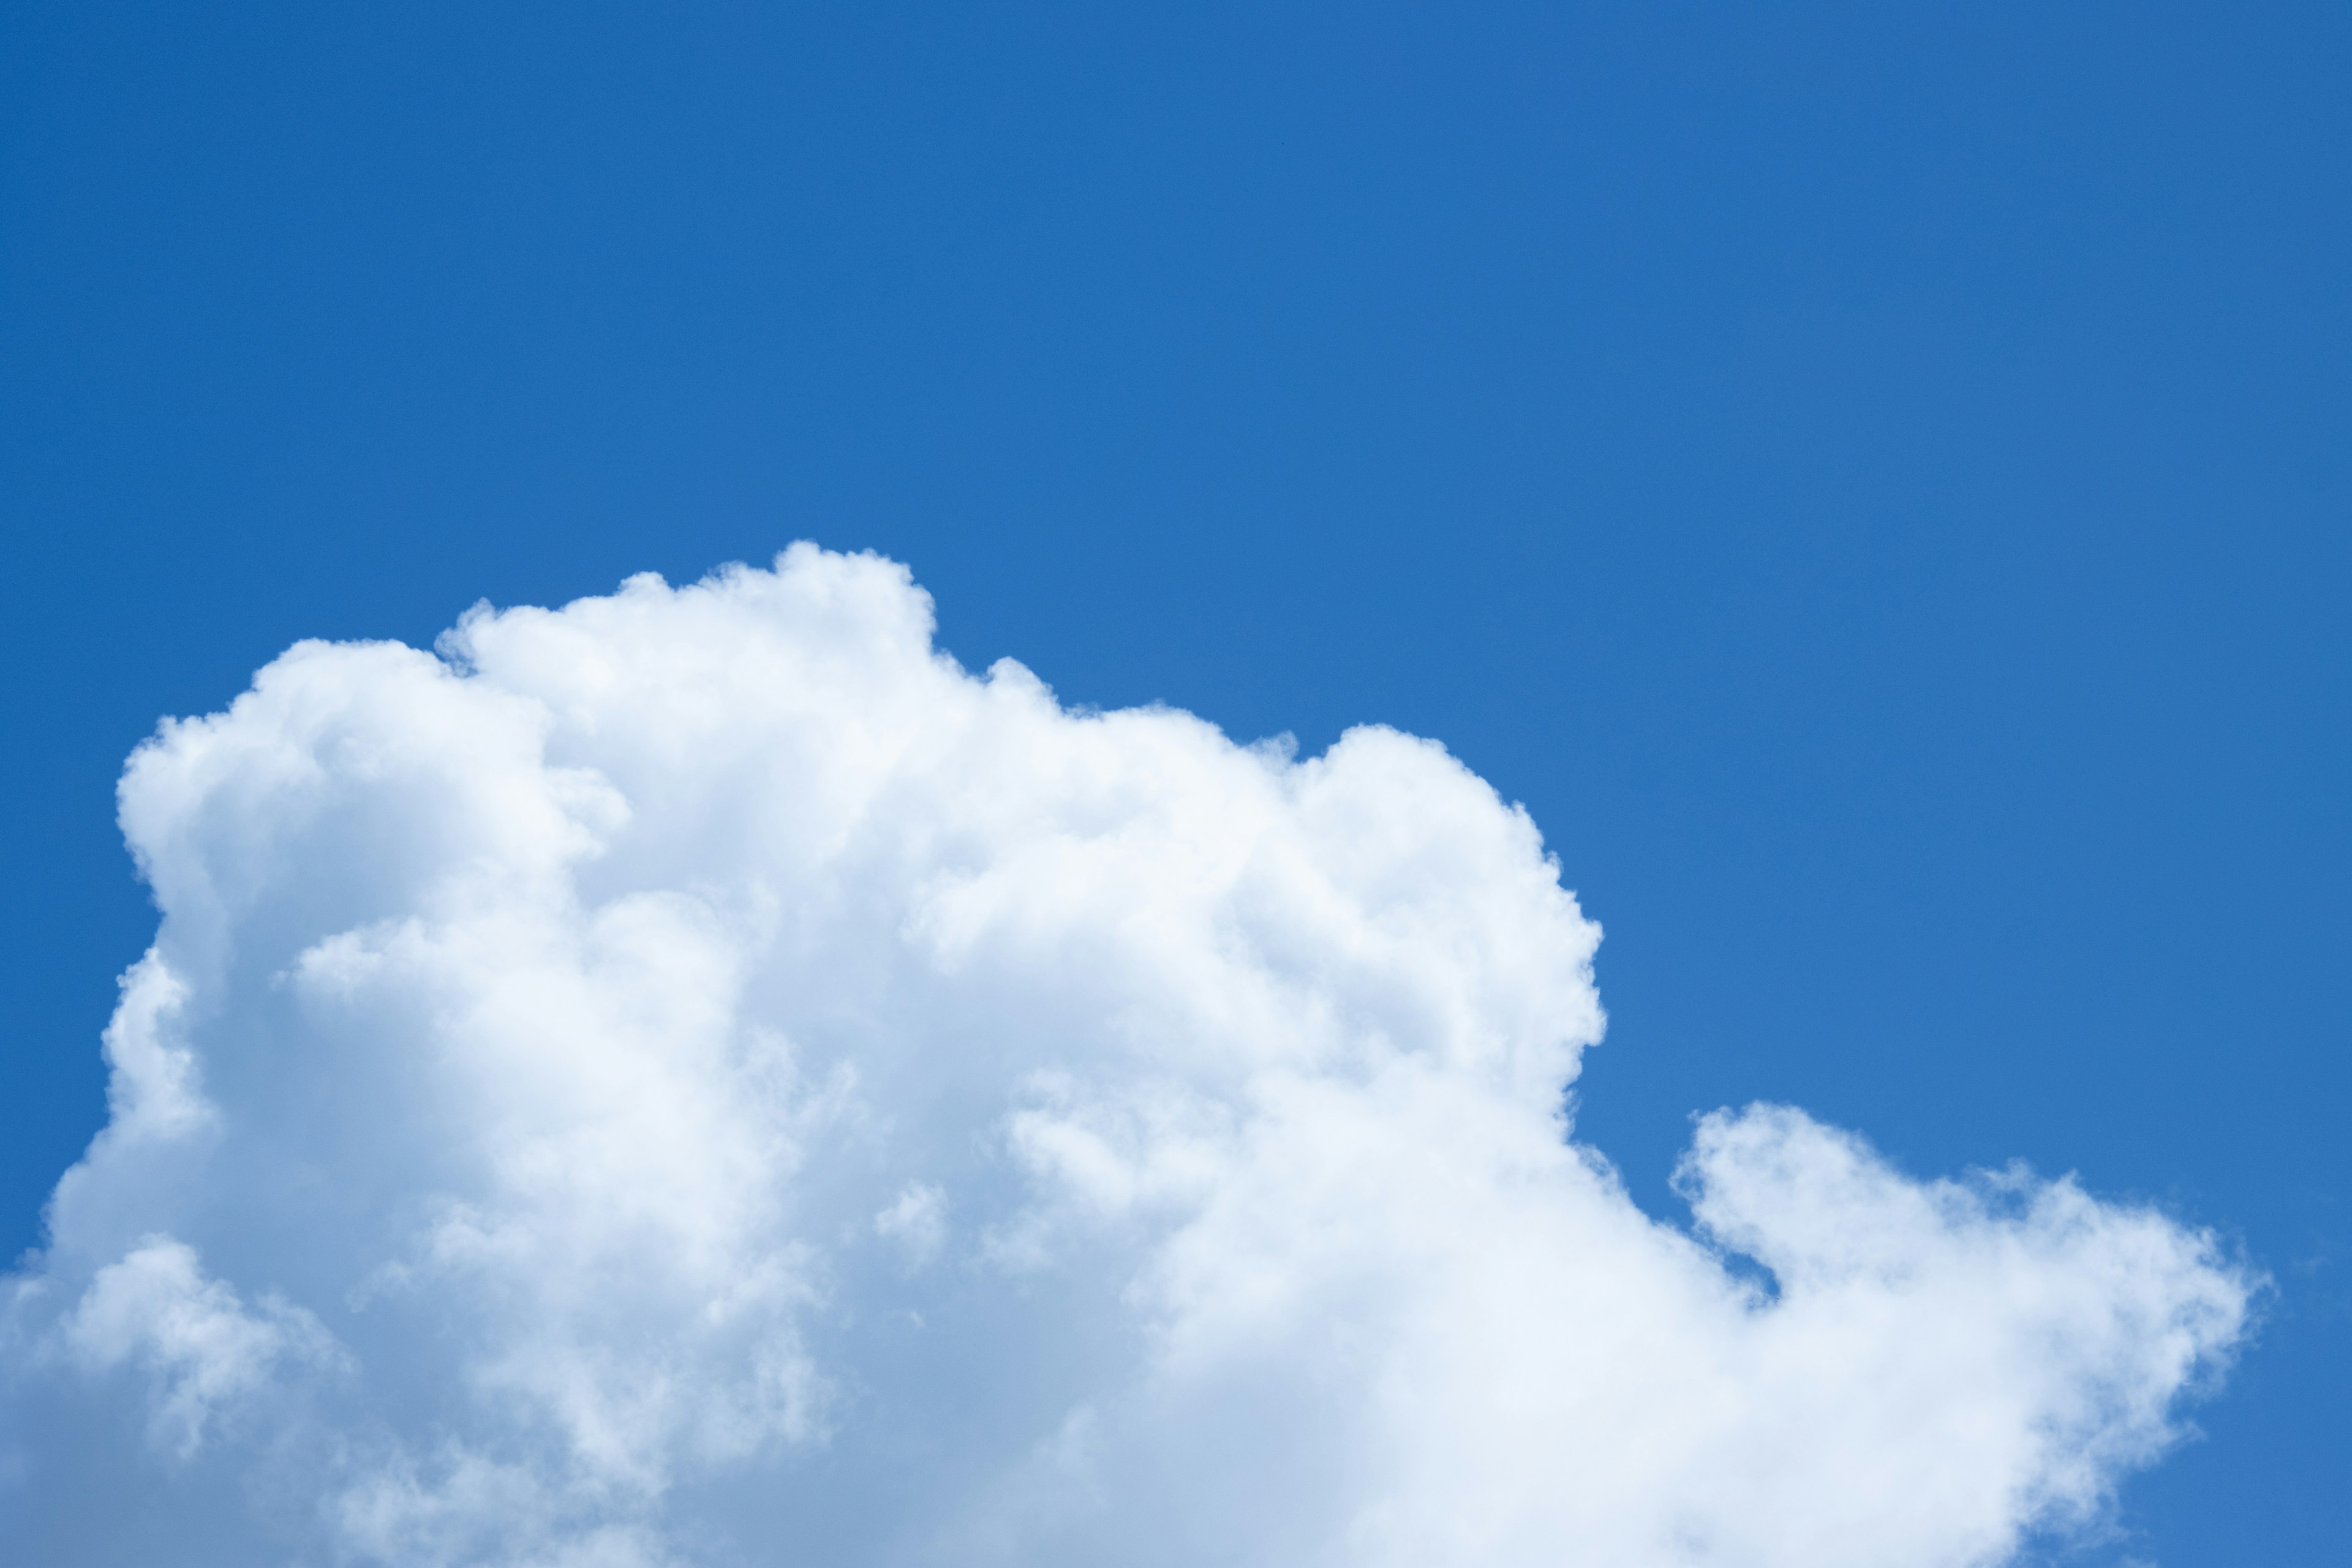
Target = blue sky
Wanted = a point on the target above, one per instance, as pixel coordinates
(1872, 481)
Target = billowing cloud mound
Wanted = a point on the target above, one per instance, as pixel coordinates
(696, 1078)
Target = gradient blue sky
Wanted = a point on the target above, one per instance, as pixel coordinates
(1872, 479)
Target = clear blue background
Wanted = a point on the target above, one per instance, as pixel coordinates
(1872, 478)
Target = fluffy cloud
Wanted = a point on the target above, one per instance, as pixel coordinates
(697, 1077)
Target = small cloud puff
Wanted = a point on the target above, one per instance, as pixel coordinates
(697, 1074)
(917, 1221)
(197, 1343)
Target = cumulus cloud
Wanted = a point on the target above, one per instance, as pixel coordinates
(199, 1347)
(697, 1077)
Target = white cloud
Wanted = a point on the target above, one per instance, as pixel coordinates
(200, 1347)
(917, 1220)
(695, 1077)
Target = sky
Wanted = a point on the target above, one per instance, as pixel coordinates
(1870, 483)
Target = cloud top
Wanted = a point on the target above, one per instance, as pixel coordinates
(697, 1077)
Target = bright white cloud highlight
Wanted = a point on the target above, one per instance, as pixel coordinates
(697, 1077)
